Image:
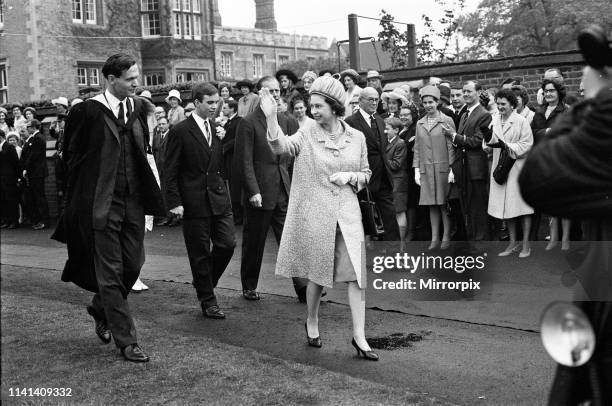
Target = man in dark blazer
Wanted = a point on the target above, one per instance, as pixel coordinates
(196, 192)
(9, 175)
(158, 147)
(471, 168)
(231, 172)
(34, 164)
(266, 184)
(381, 184)
(110, 189)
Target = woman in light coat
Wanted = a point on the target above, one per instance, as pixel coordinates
(350, 78)
(323, 232)
(512, 131)
(433, 155)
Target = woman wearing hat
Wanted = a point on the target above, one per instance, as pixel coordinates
(19, 121)
(4, 127)
(349, 79)
(29, 113)
(287, 80)
(308, 79)
(176, 114)
(394, 101)
(323, 232)
(249, 100)
(433, 155)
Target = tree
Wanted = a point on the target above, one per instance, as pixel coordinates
(513, 27)
(433, 45)
(300, 66)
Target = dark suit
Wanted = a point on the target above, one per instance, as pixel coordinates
(110, 189)
(34, 162)
(380, 184)
(262, 172)
(192, 179)
(9, 175)
(471, 169)
(231, 172)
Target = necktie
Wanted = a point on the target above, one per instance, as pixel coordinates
(462, 121)
(373, 124)
(129, 108)
(207, 132)
(121, 115)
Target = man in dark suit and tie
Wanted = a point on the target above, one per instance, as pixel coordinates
(373, 127)
(266, 184)
(158, 147)
(9, 175)
(34, 164)
(110, 189)
(229, 142)
(196, 192)
(472, 168)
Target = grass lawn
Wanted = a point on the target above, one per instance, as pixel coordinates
(48, 341)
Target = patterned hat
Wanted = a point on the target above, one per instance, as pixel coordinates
(352, 73)
(430, 90)
(327, 86)
(309, 74)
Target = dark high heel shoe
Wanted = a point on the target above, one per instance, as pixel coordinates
(369, 355)
(313, 342)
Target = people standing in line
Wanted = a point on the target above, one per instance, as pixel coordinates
(380, 184)
(512, 132)
(472, 164)
(158, 148)
(34, 164)
(266, 189)
(433, 156)
(408, 134)
(350, 79)
(553, 107)
(324, 218)
(249, 101)
(229, 156)
(196, 192)
(110, 190)
(176, 114)
(396, 155)
(298, 106)
(10, 171)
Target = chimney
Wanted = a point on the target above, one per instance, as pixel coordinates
(264, 11)
(216, 14)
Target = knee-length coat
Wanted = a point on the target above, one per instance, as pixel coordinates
(433, 155)
(505, 201)
(317, 206)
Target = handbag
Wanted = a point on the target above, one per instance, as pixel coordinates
(370, 215)
(504, 165)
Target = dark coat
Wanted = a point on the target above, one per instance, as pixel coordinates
(261, 171)
(193, 171)
(92, 152)
(231, 167)
(471, 161)
(159, 150)
(34, 157)
(540, 123)
(10, 169)
(381, 173)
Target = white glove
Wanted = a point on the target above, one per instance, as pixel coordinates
(417, 176)
(341, 178)
(451, 177)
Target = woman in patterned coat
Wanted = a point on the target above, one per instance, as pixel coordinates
(323, 232)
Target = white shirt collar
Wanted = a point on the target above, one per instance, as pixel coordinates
(33, 134)
(110, 101)
(365, 115)
(470, 109)
(201, 123)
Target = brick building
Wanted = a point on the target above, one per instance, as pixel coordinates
(57, 48)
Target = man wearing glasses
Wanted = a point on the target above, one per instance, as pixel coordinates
(366, 120)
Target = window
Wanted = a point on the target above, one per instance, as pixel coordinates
(1, 14)
(311, 60)
(226, 64)
(85, 11)
(154, 78)
(282, 59)
(3, 84)
(195, 76)
(88, 76)
(187, 19)
(150, 18)
(258, 61)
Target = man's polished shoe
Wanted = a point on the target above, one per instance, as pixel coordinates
(161, 222)
(102, 330)
(39, 226)
(213, 312)
(134, 353)
(250, 294)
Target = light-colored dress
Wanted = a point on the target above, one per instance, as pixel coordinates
(317, 207)
(176, 115)
(433, 155)
(505, 201)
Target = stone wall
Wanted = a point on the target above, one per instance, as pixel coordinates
(491, 73)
